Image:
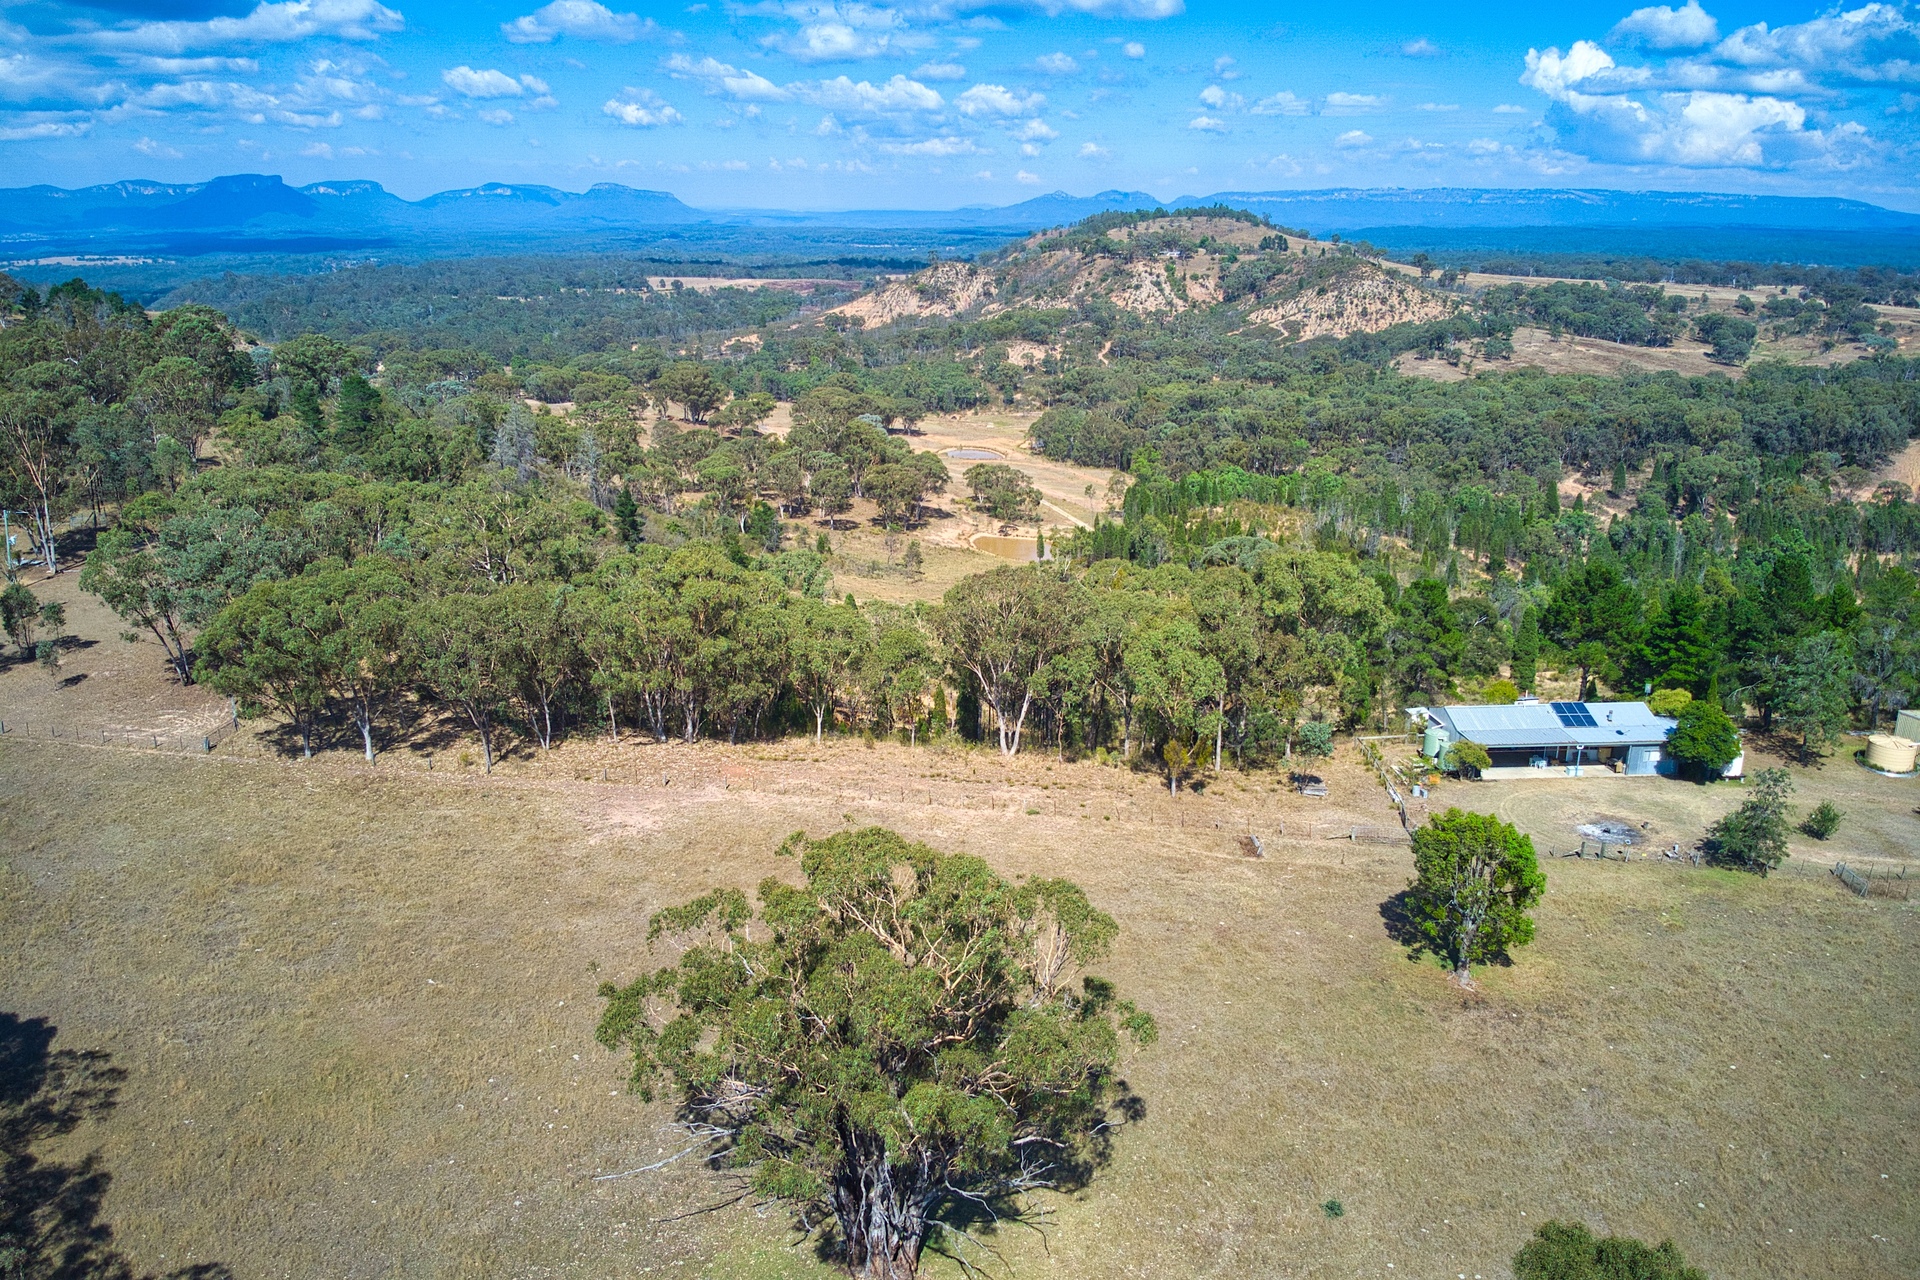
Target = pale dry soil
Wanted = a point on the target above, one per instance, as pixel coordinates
(356, 1008)
(867, 561)
(1062, 485)
(1576, 355)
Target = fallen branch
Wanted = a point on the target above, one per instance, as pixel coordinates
(715, 1136)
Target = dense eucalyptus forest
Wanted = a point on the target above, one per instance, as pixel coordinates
(571, 517)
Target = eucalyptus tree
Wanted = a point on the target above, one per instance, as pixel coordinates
(127, 575)
(540, 629)
(36, 434)
(1226, 609)
(828, 648)
(293, 646)
(894, 1045)
(1175, 679)
(459, 657)
(1003, 627)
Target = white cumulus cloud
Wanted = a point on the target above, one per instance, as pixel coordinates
(1352, 138)
(719, 77)
(1344, 104)
(641, 109)
(37, 129)
(946, 145)
(940, 71)
(581, 19)
(489, 83)
(268, 23)
(895, 95)
(1664, 27)
(1056, 64)
(1284, 103)
(1220, 100)
(842, 93)
(1762, 97)
(1606, 111)
(1207, 124)
(998, 100)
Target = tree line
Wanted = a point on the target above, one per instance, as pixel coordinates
(1225, 608)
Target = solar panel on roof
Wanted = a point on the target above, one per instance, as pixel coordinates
(1574, 715)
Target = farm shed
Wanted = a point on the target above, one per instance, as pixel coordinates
(1556, 737)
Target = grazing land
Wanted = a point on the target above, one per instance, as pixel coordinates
(355, 1007)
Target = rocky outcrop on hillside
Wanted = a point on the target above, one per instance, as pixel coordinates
(943, 289)
(1163, 267)
(1365, 299)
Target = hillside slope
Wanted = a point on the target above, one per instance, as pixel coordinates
(1162, 266)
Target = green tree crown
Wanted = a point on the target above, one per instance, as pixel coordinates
(1476, 878)
(900, 1035)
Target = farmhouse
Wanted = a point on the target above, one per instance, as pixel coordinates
(1565, 738)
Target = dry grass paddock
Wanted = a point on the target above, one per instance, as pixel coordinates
(355, 1007)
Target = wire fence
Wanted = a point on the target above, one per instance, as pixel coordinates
(197, 740)
(1393, 779)
(1868, 880)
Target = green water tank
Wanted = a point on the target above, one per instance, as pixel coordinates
(1434, 744)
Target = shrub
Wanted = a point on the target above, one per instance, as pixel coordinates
(1316, 738)
(1705, 738)
(1568, 1251)
(1668, 702)
(1465, 756)
(1754, 836)
(1823, 821)
(1501, 693)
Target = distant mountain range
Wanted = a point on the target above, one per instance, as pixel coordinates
(244, 214)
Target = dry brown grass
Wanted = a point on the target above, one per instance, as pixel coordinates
(104, 681)
(350, 1002)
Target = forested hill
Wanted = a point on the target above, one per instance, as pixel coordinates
(544, 308)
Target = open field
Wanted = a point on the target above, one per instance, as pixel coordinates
(1571, 354)
(355, 1008)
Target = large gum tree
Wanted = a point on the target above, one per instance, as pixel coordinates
(901, 1044)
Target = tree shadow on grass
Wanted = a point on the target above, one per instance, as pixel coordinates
(1396, 913)
(965, 1220)
(50, 1223)
(1399, 915)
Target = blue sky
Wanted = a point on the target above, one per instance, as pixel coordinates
(936, 103)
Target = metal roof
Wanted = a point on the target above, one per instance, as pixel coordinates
(1540, 724)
